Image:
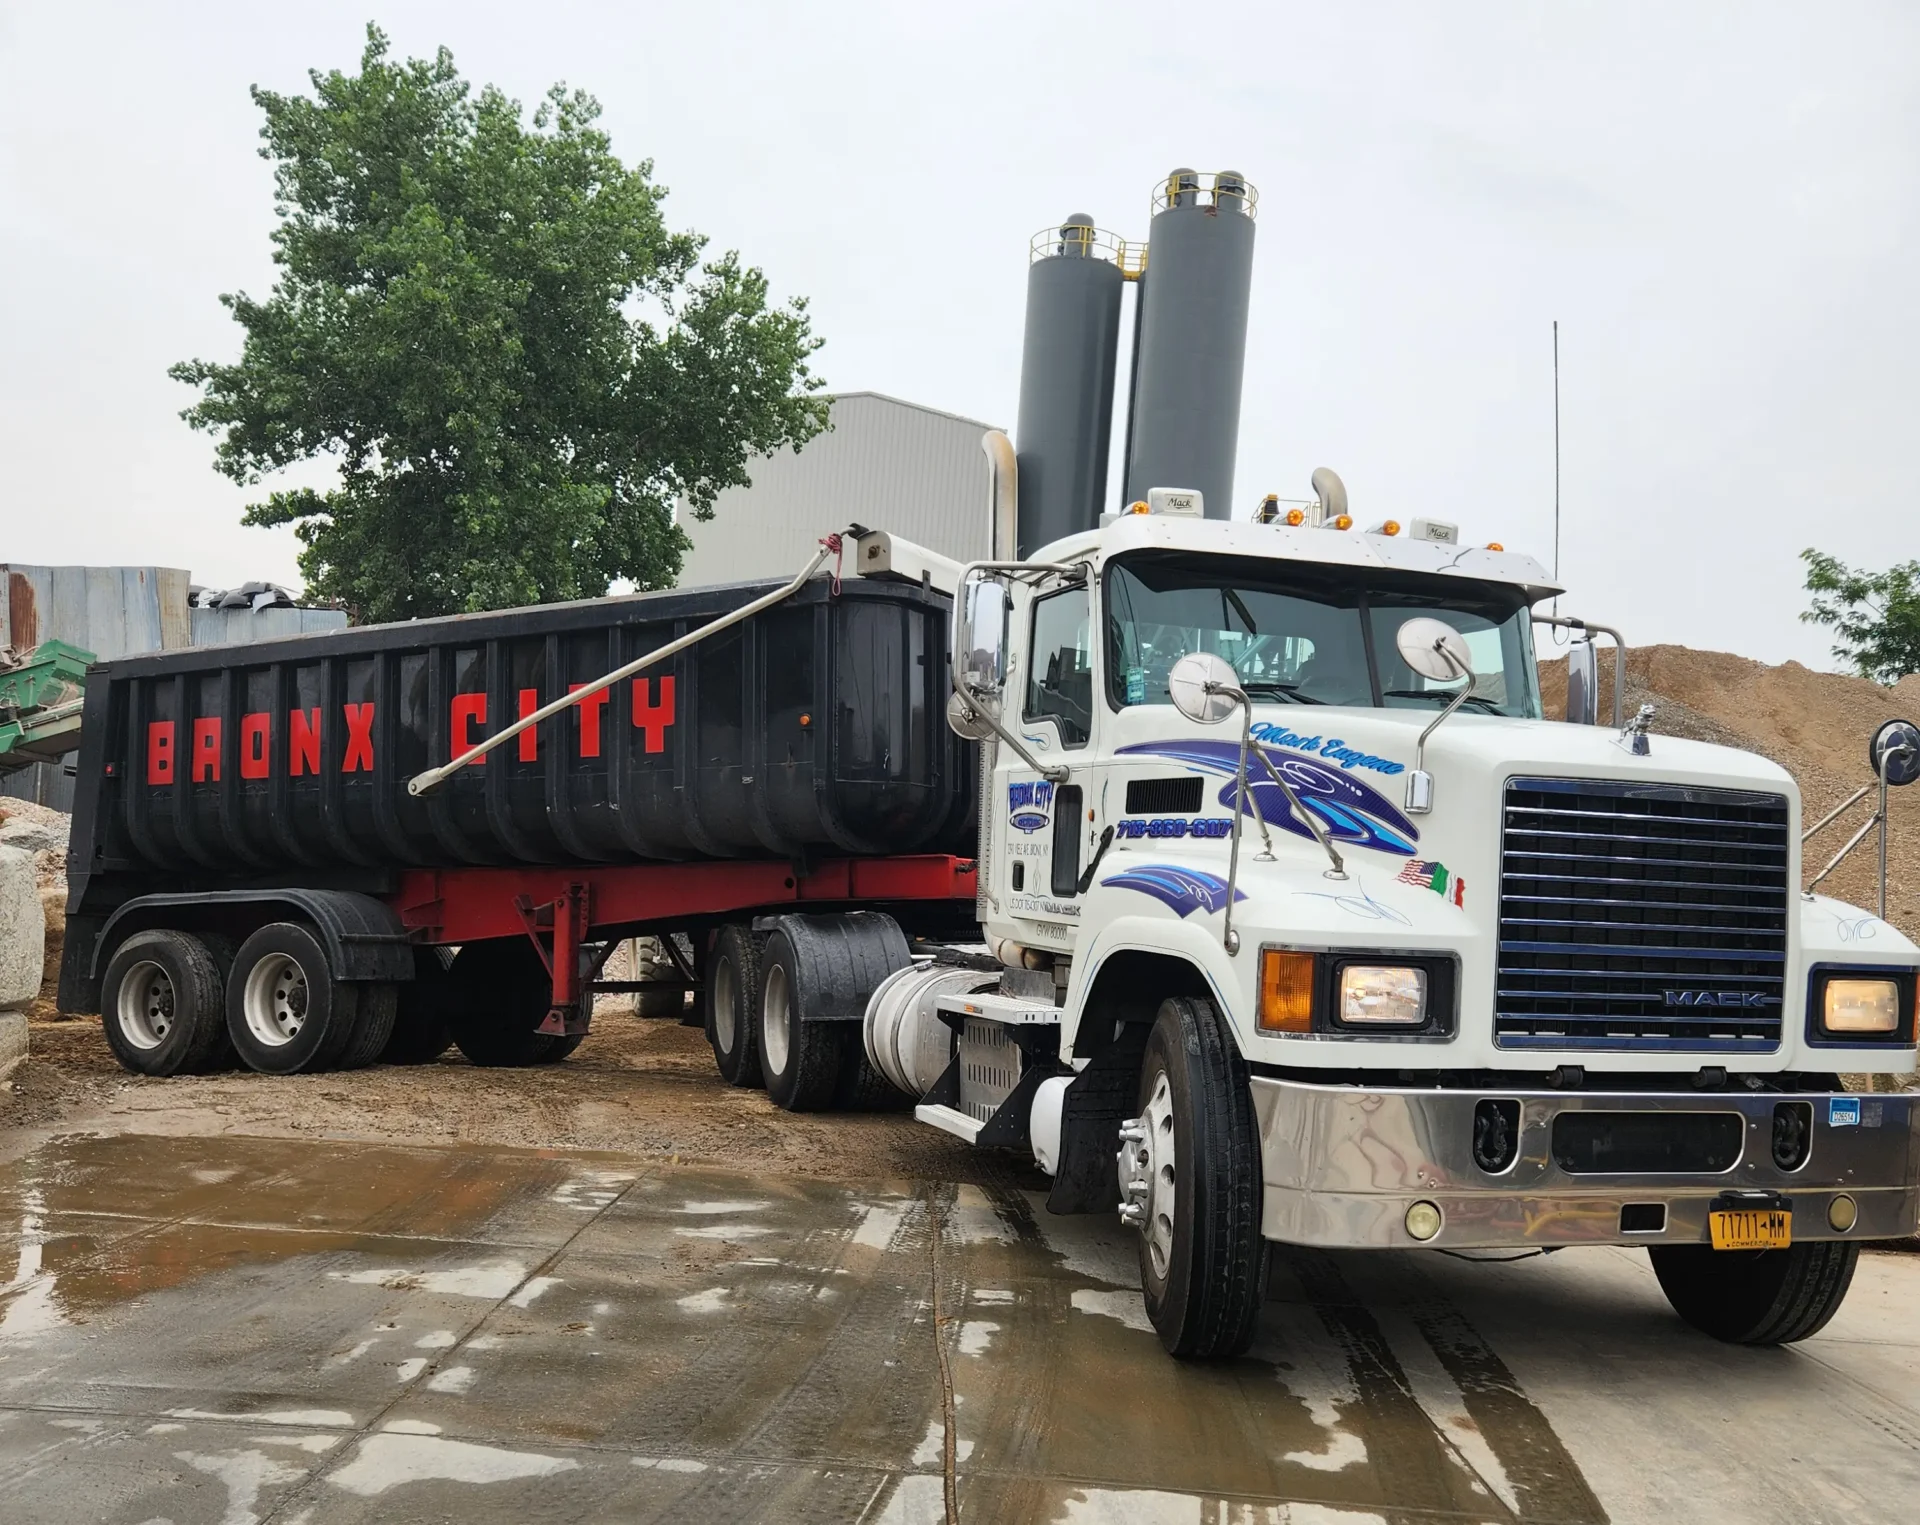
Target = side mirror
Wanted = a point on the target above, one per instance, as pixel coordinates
(1583, 683)
(1204, 688)
(979, 657)
(1894, 752)
(1434, 650)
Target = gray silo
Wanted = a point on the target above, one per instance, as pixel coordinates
(1183, 427)
(1067, 367)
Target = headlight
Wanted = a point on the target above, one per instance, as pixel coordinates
(1861, 1006)
(1382, 995)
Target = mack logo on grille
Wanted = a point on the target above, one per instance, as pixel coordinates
(1717, 998)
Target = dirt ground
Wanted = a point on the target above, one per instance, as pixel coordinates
(638, 1086)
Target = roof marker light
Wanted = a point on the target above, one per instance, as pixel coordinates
(1296, 517)
(1138, 506)
(1495, 545)
(1386, 527)
(1343, 522)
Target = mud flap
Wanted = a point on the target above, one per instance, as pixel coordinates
(1088, 1180)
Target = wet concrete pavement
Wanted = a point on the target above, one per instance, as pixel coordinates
(238, 1330)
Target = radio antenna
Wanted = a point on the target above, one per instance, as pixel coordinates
(1556, 459)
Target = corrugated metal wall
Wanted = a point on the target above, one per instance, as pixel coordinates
(109, 611)
(233, 627)
(887, 464)
(118, 612)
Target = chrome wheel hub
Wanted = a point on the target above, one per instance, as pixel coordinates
(723, 997)
(775, 1029)
(145, 1007)
(275, 1000)
(1147, 1180)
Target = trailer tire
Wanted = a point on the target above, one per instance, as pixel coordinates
(500, 991)
(162, 1005)
(373, 1026)
(732, 1002)
(1202, 1260)
(420, 1030)
(286, 1013)
(1756, 1297)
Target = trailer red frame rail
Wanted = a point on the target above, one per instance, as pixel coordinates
(561, 908)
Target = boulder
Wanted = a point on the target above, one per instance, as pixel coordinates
(23, 930)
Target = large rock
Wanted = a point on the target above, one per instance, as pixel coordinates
(23, 930)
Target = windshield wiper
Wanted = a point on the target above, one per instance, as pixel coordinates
(1442, 695)
(1288, 690)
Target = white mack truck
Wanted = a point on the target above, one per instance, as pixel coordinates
(1306, 926)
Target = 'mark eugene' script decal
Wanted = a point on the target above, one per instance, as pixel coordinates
(1352, 812)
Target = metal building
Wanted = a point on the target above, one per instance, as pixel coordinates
(120, 612)
(888, 464)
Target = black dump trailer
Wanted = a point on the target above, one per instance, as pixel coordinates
(249, 871)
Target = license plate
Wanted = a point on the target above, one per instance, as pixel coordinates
(1765, 1228)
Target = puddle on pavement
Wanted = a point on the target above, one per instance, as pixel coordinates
(91, 1223)
(823, 1346)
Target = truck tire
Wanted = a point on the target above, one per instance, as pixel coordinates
(1191, 1160)
(162, 1005)
(379, 1002)
(500, 993)
(285, 1012)
(651, 963)
(732, 1001)
(420, 1031)
(1756, 1297)
(817, 973)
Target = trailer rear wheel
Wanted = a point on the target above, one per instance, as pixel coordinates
(161, 1005)
(733, 1004)
(1756, 1297)
(500, 993)
(379, 1006)
(285, 1012)
(1190, 1182)
(420, 1031)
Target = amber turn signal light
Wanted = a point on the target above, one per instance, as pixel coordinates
(1286, 991)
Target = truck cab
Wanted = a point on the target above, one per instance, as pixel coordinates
(1349, 945)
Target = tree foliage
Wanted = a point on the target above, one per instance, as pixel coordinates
(488, 328)
(1875, 615)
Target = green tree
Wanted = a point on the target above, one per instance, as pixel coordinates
(487, 327)
(1876, 615)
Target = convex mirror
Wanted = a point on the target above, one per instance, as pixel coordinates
(1434, 650)
(1896, 747)
(1204, 687)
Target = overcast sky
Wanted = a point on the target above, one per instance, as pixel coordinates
(1718, 202)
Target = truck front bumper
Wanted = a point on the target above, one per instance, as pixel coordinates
(1342, 1165)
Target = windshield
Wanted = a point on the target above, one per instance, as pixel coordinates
(1308, 633)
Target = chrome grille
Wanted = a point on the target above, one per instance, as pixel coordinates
(1641, 916)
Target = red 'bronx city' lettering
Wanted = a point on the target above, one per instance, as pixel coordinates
(467, 720)
(207, 754)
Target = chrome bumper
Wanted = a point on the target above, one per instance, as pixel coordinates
(1342, 1165)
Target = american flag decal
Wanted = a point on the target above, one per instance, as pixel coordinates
(1431, 874)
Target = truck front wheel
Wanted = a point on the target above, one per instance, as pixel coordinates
(1190, 1183)
(1756, 1297)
